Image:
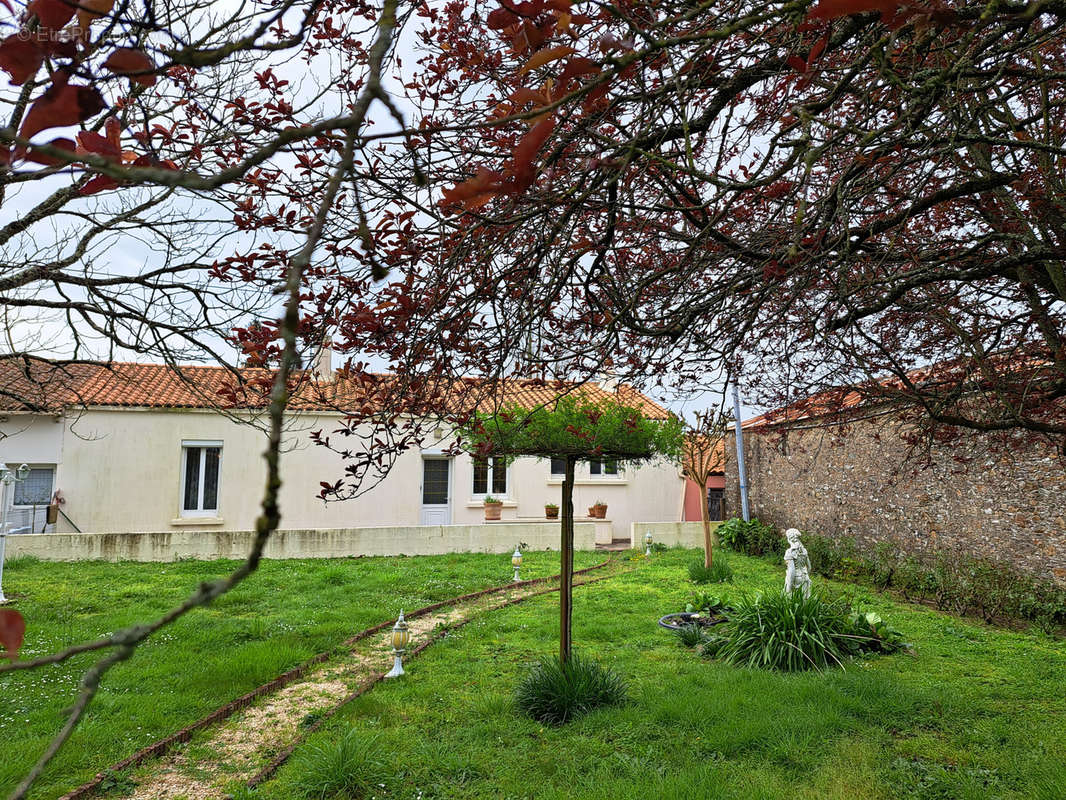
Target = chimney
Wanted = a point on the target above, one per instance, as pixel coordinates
(322, 366)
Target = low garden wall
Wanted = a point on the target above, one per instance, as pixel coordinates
(498, 537)
(686, 534)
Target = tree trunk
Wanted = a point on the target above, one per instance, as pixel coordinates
(705, 512)
(566, 567)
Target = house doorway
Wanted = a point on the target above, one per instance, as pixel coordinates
(436, 490)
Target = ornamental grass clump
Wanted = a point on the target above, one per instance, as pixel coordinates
(718, 572)
(790, 633)
(349, 766)
(555, 692)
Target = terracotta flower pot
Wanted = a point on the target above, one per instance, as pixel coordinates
(599, 511)
(551, 512)
(493, 511)
(592, 511)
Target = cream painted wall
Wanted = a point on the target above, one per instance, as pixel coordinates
(31, 439)
(120, 471)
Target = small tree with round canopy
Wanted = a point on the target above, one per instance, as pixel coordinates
(574, 429)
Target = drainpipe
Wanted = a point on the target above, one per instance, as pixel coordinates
(741, 472)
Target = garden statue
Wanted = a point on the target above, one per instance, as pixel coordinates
(798, 564)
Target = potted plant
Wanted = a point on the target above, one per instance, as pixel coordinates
(551, 510)
(599, 510)
(493, 508)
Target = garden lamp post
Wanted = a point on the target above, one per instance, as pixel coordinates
(647, 543)
(7, 477)
(401, 637)
(516, 562)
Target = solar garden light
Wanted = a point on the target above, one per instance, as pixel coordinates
(516, 561)
(401, 637)
(7, 477)
(647, 543)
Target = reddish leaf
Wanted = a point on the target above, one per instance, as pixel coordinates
(816, 51)
(831, 9)
(526, 151)
(61, 105)
(91, 142)
(51, 161)
(128, 61)
(501, 18)
(89, 10)
(98, 184)
(576, 67)
(797, 64)
(12, 632)
(546, 56)
(52, 13)
(20, 58)
(475, 192)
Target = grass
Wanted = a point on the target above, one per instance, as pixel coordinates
(718, 572)
(555, 693)
(976, 712)
(284, 613)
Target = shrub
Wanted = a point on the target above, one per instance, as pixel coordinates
(790, 632)
(718, 572)
(754, 538)
(555, 693)
(829, 556)
(955, 581)
(350, 766)
(705, 603)
(690, 635)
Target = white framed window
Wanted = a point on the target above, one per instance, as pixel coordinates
(604, 467)
(490, 477)
(36, 490)
(558, 466)
(201, 467)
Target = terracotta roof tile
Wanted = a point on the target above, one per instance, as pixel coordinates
(44, 386)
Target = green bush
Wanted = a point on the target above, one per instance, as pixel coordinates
(718, 572)
(790, 633)
(690, 635)
(954, 581)
(349, 766)
(753, 538)
(705, 603)
(555, 693)
(829, 557)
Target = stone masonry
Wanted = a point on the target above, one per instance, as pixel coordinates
(858, 481)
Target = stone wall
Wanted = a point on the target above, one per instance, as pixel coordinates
(498, 537)
(858, 481)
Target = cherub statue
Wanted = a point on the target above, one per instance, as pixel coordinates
(797, 564)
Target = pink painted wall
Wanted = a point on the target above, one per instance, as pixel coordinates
(692, 496)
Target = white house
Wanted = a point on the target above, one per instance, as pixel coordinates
(137, 447)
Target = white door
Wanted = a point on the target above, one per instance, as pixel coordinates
(436, 490)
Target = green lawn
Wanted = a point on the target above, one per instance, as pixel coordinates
(284, 613)
(974, 713)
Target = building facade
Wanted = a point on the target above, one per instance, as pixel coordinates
(150, 464)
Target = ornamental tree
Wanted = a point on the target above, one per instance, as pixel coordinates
(701, 456)
(573, 429)
(814, 194)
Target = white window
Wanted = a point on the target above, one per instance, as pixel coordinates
(36, 490)
(490, 477)
(603, 467)
(201, 464)
(558, 466)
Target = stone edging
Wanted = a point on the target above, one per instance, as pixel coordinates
(161, 746)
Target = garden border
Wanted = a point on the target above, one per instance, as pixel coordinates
(276, 763)
(161, 746)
